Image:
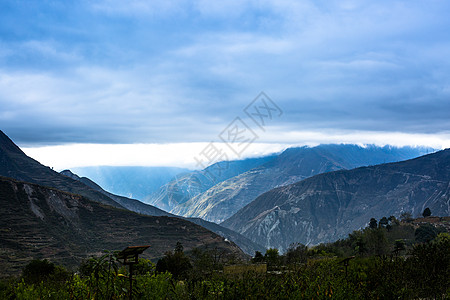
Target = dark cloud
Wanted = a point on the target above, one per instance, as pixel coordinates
(155, 72)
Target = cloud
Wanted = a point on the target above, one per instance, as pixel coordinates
(181, 71)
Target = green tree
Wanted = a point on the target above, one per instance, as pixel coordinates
(177, 263)
(373, 223)
(406, 217)
(38, 270)
(376, 241)
(430, 269)
(272, 257)
(144, 266)
(383, 222)
(258, 257)
(399, 245)
(426, 212)
(426, 233)
(296, 254)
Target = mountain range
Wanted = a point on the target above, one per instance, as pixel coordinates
(221, 201)
(44, 211)
(39, 222)
(191, 184)
(329, 206)
(244, 243)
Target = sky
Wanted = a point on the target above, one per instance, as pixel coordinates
(156, 82)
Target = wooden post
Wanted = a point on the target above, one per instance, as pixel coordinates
(131, 282)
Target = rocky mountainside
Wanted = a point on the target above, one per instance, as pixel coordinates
(131, 182)
(188, 185)
(244, 243)
(15, 164)
(40, 222)
(130, 204)
(329, 206)
(225, 198)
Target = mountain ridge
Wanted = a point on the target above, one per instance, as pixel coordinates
(294, 164)
(39, 222)
(329, 206)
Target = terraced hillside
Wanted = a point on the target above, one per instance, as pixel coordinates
(39, 222)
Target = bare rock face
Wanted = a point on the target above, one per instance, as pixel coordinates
(329, 206)
(188, 185)
(224, 199)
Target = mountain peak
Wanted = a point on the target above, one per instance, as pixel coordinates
(7, 145)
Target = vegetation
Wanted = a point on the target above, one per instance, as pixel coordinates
(373, 263)
(426, 212)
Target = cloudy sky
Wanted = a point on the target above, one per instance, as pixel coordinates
(153, 82)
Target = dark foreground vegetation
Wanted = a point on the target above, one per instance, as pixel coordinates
(387, 260)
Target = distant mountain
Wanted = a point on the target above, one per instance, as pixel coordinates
(38, 222)
(130, 204)
(186, 186)
(244, 243)
(329, 206)
(225, 198)
(131, 182)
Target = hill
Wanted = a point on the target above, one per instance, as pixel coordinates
(39, 222)
(329, 206)
(225, 198)
(188, 185)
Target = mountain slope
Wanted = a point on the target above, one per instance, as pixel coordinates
(130, 182)
(188, 185)
(39, 222)
(248, 246)
(328, 206)
(14, 163)
(130, 204)
(224, 199)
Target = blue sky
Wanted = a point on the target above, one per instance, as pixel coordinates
(178, 72)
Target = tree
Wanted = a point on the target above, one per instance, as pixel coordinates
(426, 212)
(272, 256)
(383, 222)
(426, 233)
(258, 257)
(177, 263)
(376, 241)
(296, 254)
(399, 246)
(38, 270)
(373, 223)
(406, 216)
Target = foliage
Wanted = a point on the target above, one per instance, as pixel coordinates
(426, 212)
(426, 233)
(363, 266)
(272, 257)
(406, 216)
(177, 263)
(373, 223)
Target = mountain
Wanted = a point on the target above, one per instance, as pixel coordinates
(248, 246)
(39, 222)
(185, 186)
(130, 204)
(130, 182)
(225, 198)
(329, 206)
(14, 163)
